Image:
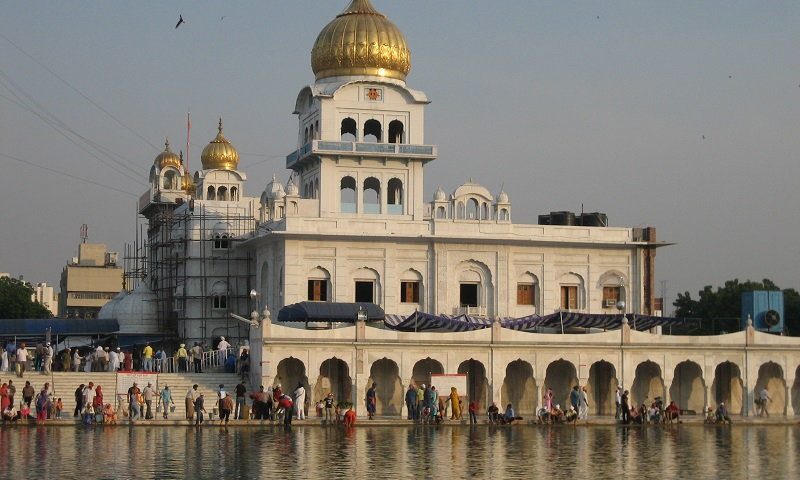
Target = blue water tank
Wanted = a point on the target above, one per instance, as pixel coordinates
(765, 308)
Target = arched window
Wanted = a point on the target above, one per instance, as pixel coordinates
(311, 132)
(170, 181)
(316, 128)
(211, 194)
(316, 188)
(234, 193)
(472, 209)
(222, 193)
(527, 290)
(394, 194)
(441, 212)
(372, 195)
(503, 217)
(411, 287)
(305, 191)
(460, 211)
(349, 130)
(222, 241)
(319, 285)
(347, 195)
(372, 131)
(305, 136)
(485, 212)
(572, 291)
(219, 296)
(396, 132)
(280, 211)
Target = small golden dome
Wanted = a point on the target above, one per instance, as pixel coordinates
(167, 158)
(219, 153)
(187, 184)
(361, 41)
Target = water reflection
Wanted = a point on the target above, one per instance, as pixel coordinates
(688, 451)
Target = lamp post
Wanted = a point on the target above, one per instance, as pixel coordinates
(361, 314)
(621, 307)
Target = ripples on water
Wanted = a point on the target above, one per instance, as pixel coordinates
(689, 451)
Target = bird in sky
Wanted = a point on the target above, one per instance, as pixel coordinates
(704, 137)
(180, 20)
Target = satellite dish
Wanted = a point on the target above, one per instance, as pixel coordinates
(772, 318)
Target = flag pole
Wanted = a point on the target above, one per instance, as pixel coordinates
(188, 134)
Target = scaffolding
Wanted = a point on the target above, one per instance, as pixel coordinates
(189, 256)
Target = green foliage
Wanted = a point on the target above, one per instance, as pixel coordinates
(725, 303)
(15, 301)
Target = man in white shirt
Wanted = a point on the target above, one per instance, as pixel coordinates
(223, 347)
(48, 359)
(618, 402)
(764, 395)
(113, 360)
(88, 395)
(22, 360)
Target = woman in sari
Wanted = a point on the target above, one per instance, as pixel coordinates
(455, 404)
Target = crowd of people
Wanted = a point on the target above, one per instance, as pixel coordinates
(20, 358)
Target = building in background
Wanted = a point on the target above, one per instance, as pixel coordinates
(89, 281)
(44, 294)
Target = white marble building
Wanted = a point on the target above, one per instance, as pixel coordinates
(353, 224)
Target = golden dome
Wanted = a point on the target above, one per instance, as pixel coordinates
(187, 184)
(219, 153)
(167, 158)
(361, 41)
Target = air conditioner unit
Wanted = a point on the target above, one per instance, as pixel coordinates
(609, 303)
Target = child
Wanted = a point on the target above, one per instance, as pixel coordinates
(88, 416)
(24, 411)
(59, 407)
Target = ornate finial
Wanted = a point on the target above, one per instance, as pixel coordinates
(166, 144)
(181, 156)
(749, 320)
(624, 320)
(274, 178)
(220, 125)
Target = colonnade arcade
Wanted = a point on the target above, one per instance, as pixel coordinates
(693, 382)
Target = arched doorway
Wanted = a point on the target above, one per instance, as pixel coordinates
(477, 385)
(519, 388)
(602, 388)
(728, 387)
(386, 374)
(334, 376)
(688, 389)
(561, 376)
(647, 384)
(421, 373)
(291, 372)
(770, 375)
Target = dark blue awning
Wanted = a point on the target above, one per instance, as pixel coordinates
(426, 322)
(587, 320)
(328, 312)
(32, 327)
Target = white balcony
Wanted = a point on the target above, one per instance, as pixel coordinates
(324, 147)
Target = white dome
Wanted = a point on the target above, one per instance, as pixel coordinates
(136, 312)
(440, 195)
(502, 197)
(108, 311)
(291, 188)
(275, 189)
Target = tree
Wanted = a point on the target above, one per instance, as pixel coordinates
(15, 300)
(725, 304)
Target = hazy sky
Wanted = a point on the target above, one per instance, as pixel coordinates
(561, 107)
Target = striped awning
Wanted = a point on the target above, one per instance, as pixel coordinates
(533, 323)
(426, 322)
